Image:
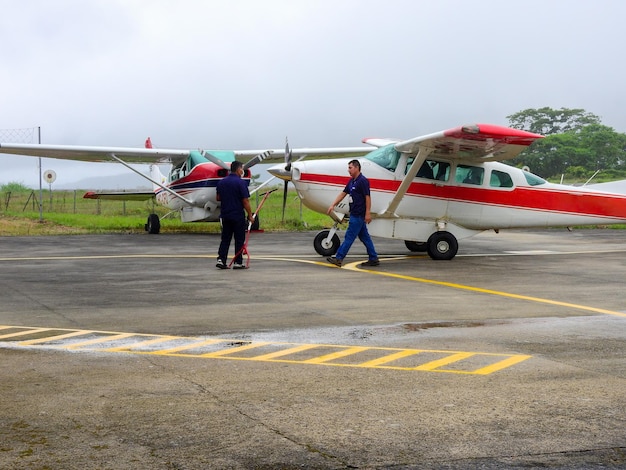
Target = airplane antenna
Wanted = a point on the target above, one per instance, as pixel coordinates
(592, 177)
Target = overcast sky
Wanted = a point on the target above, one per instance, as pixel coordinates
(245, 74)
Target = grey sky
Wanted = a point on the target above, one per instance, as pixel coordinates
(245, 74)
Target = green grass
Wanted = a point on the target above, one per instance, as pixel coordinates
(66, 212)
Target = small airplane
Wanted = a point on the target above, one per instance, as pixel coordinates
(190, 186)
(434, 190)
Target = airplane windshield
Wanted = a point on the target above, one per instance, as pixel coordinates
(386, 156)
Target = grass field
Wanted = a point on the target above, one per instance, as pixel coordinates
(66, 212)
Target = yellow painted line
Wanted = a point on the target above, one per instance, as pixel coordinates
(354, 267)
(389, 358)
(511, 361)
(47, 339)
(336, 355)
(227, 351)
(280, 355)
(285, 352)
(23, 333)
(102, 339)
(432, 365)
(196, 344)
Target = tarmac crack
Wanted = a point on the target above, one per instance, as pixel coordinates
(204, 390)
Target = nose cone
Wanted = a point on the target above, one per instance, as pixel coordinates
(279, 172)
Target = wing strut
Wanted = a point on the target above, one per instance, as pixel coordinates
(422, 153)
(160, 185)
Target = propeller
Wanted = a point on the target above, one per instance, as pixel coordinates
(258, 159)
(214, 159)
(288, 157)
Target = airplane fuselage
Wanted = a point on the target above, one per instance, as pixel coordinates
(502, 197)
(198, 188)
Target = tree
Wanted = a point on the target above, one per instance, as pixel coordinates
(548, 121)
(574, 138)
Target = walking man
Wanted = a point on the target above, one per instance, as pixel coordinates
(234, 196)
(358, 189)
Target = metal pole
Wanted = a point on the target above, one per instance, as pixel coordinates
(40, 182)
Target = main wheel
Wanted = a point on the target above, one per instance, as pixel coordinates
(416, 246)
(324, 247)
(442, 246)
(154, 224)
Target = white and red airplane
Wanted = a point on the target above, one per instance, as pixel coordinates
(434, 190)
(190, 186)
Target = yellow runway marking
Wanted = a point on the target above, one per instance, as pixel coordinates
(364, 357)
(354, 266)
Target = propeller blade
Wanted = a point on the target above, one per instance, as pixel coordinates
(288, 155)
(214, 159)
(258, 159)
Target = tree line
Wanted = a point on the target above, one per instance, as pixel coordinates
(577, 144)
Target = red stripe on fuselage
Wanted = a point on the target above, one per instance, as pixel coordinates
(534, 198)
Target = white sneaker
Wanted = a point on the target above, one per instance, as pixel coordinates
(220, 264)
(239, 266)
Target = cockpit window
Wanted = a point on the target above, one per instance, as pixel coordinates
(469, 174)
(533, 180)
(386, 156)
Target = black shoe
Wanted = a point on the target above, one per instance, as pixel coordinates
(220, 264)
(371, 262)
(333, 260)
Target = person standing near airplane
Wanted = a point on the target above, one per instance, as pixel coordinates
(234, 196)
(358, 189)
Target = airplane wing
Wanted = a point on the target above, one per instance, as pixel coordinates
(159, 155)
(120, 195)
(479, 142)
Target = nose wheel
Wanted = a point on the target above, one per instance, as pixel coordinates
(326, 244)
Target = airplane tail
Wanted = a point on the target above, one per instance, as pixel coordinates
(156, 175)
(612, 187)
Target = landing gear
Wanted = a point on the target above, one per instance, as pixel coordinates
(442, 246)
(153, 225)
(416, 246)
(325, 246)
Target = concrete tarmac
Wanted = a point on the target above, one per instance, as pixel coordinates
(134, 351)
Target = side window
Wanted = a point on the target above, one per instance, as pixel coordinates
(434, 170)
(469, 174)
(500, 179)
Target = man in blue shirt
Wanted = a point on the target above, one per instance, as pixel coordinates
(360, 202)
(233, 194)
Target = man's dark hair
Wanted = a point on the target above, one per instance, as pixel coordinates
(355, 163)
(234, 166)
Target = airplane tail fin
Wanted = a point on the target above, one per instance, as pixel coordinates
(148, 143)
(156, 175)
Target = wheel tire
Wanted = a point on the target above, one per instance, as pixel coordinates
(256, 224)
(324, 248)
(153, 225)
(442, 246)
(416, 246)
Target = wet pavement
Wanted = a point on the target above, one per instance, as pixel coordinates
(123, 351)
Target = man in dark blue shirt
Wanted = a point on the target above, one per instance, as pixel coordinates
(233, 194)
(360, 202)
